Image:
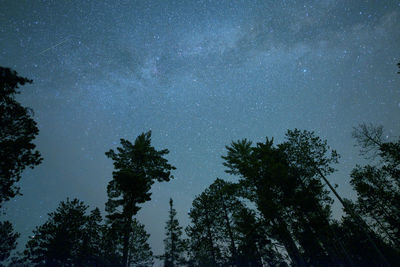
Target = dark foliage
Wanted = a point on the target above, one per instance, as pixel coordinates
(175, 246)
(69, 237)
(137, 166)
(17, 132)
(8, 240)
(378, 185)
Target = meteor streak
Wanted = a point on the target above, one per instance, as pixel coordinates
(44, 51)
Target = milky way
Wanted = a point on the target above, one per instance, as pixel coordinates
(199, 74)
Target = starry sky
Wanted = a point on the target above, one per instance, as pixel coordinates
(199, 74)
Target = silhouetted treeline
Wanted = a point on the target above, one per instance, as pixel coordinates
(278, 212)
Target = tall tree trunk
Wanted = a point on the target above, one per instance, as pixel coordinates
(291, 247)
(357, 218)
(127, 232)
(210, 240)
(230, 233)
(172, 240)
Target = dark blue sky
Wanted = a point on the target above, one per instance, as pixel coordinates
(199, 74)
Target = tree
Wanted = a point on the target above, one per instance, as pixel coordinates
(285, 183)
(68, 238)
(174, 244)
(254, 245)
(17, 131)
(90, 252)
(136, 166)
(204, 249)
(214, 234)
(140, 254)
(8, 240)
(358, 246)
(378, 185)
(311, 159)
(265, 179)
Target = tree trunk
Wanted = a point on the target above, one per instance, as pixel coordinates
(172, 240)
(357, 218)
(290, 245)
(125, 251)
(228, 226)
(210, 240)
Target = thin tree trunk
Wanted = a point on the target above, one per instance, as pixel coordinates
(356, 217)
(325, 243)
(127, 232)
(228, 226)
(289, 244)
(172, 239)
(210, 240)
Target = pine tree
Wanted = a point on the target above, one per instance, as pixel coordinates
(17, 131)
(17, 150)
(285, 183)
(137, 166)
(8, 240)
(213, 235)
(140, 254)
(204, 249)
(90, 252)
(265, 179)
(174, 244)
(255, 247)
(65, 239)
(378, 185)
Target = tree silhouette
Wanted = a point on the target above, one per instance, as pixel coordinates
(174, 244)
(266, 180)
(255, 246)
(137, 166)
(140, 254)
(17, 131)
(358, 246)
(8, 240)
(68, 238)
(204, 249)
(378, 185)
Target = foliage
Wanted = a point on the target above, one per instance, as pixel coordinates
(284, 182)
(140, 254)
(137, 166)
(219, 233)
(69, 237)
(17, 131)
(202, 233)
(356, 244)
(8, 239)
(378, 185)
(175, 246)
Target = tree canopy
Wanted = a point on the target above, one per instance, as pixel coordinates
(137, 166)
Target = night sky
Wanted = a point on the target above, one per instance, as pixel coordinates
(199, 74)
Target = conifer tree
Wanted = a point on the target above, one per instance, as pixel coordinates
(378, 184)
(204, 249)
(265, 179)
(68, 238)
(8, 240)
(137, 166)
(17, 150)
(17, 132)
(174, 244)
(140, 254)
